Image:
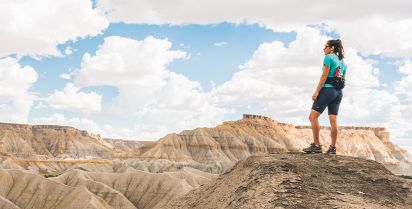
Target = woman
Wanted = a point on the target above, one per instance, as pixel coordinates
(327, 95)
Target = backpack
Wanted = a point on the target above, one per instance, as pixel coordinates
(336, 81)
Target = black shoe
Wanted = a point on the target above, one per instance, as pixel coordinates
(313, 149)
(331, 151)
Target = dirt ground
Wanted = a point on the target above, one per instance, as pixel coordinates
(301, 181)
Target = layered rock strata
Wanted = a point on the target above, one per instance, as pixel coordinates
(225, 144)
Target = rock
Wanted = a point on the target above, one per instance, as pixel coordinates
(260, 181)
(25, 190)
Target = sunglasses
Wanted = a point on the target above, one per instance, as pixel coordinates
(326, 46)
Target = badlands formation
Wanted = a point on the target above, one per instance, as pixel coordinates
(302, 181)
(44, 166)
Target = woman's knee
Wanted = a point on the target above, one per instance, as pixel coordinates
(333, 120)
(313, 116)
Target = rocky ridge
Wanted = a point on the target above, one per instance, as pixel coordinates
(113, 173)
(50, 141)
(221, 147)
(301, 181)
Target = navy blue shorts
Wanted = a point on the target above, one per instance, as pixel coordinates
(328, 97)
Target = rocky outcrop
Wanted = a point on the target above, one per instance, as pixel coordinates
(136, 188)
(25, 190)
(56, 167)
(49, 141)
(125, 148)
(255, 135)
(78, 178)
(78, 189)
(301, 181)
(112, 173)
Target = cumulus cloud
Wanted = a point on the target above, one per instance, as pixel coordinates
(381, 27)
(65, 76)
(74, 100)
(157, 100)
(404, 86)
(15, 96)
(123, 61)
(377, 34)
(37, 27)
(280, 81)
(401, 121)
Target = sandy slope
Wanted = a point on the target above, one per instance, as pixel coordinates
(26, 190)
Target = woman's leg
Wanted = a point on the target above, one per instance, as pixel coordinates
(333, 110)
(333, 129)
(313, 118)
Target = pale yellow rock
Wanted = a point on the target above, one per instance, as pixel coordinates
(56, 167)
(144, 190)
(257, 135)
(31, 191)
(51, 141)
(6, 204)
(78, 178)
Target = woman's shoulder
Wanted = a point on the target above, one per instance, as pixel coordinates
(332, 56)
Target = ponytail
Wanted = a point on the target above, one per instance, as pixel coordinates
(338, 50)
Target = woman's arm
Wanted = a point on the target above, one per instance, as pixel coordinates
(322, 81)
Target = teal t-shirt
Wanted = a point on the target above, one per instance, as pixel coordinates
(333, 62)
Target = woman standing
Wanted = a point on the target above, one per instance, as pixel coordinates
(328, 94)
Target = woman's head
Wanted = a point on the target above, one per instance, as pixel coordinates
(334, 46)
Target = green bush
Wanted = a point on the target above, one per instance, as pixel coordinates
(406, 177)
(50, 175)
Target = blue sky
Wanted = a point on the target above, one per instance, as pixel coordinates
(140, 70)
(207, 62)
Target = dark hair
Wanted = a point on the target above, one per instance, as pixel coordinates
(338, 47)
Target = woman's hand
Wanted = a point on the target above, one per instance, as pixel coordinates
(315, 96)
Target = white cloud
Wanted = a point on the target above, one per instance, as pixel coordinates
(404, 86)
(381, 27)
(278, 77)
(15, 96)
(72, 99)
(123, 61)
(280, 80)
(68, 51)
(401, 122)
(377, 34)
(37, 27)
(156, 100)
(65, 76)
(79, 123)
(219, 44)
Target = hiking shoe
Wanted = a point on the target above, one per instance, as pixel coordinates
(331, 151)
(313, 149)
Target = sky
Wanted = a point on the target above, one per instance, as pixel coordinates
(142, 69)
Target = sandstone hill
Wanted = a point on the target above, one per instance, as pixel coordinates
(87, 171)
(78, 189)
(49, 141)
(24, 190)
(212, 150)
(301, 181)
(221, 147)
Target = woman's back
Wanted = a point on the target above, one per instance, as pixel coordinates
(337, 66)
